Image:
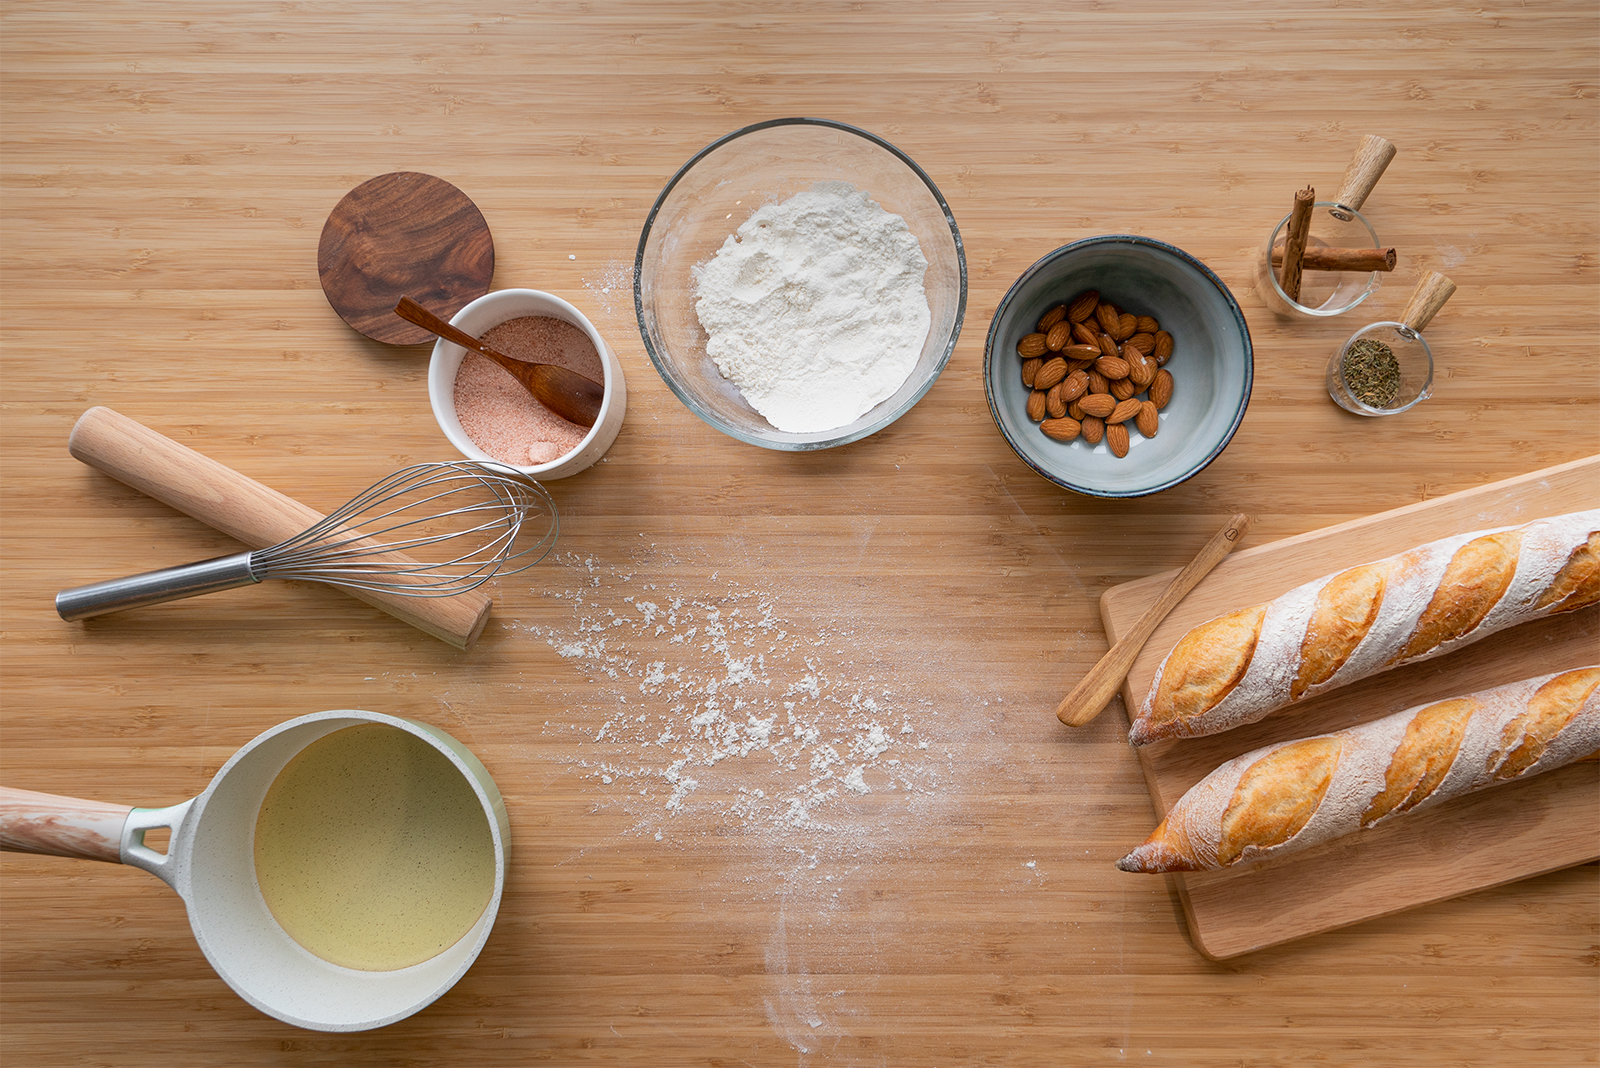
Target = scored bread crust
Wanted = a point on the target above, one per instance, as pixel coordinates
(1243, 666)
(1286, 797)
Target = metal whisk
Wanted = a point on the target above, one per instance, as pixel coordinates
(496, 521)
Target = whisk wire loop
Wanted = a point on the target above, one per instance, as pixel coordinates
(474, 504)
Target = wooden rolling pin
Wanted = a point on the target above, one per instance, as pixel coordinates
(243, 508)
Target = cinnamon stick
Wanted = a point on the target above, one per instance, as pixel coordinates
(1294, 245)
(1321, 258)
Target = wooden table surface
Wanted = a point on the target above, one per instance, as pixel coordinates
(917, 601)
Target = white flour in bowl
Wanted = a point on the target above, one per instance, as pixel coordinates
(815, 307)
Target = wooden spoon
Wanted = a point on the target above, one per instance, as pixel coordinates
(567, 393)
(1090, 696)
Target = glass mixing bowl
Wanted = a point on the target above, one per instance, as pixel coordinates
(715, 192)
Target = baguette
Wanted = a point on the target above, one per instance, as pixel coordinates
(1287, 797)
(1241, 667)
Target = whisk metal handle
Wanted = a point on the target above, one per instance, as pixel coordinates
(155, 587)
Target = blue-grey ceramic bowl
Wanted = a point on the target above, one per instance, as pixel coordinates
(1212, 363)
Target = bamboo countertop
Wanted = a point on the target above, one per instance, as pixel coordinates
(165, 171)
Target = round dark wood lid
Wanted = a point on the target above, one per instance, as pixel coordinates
(403, 234)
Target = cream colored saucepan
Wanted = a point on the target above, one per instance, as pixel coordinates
(213, 855)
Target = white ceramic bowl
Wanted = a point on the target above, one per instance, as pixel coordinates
(715, 192)
(1212, 363)
(491, 310)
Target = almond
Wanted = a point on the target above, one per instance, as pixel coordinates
(1053, 402)
(1145, 343)
(1095, 371)
(1083, 306)
(1117, 439)
(1062, 429)
(1163, 349)
(1141, 369)
(1108, 317)
(1036, 403)
(1148, 420)
(1053, 371)
(1112, 367)
(1099, 404)
(1124, 411)
(1161, 388)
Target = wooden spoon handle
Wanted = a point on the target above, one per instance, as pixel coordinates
(412, 312)
(1095, 690)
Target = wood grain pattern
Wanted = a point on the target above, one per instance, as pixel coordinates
(1545, 823)
(403, 234)
(165, 172)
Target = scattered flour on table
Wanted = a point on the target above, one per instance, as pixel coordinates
(755, 731)
(715, 703)
(611, 290)
(815, 307)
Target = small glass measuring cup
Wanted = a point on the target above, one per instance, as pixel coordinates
(1387, 368)
(1335, 224)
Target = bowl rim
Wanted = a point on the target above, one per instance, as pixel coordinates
(1125, 239)
(441, 396)
(821, 440)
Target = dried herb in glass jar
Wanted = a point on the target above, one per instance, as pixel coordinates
(1371, 372)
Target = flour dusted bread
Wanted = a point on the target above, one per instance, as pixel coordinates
(1290, 796)
(1241, 667)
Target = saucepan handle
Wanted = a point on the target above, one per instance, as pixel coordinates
(61, 826)
(57, 826)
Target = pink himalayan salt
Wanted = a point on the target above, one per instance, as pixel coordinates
(499, 414)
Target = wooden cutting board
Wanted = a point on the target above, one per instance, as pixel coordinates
(1498, 836)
